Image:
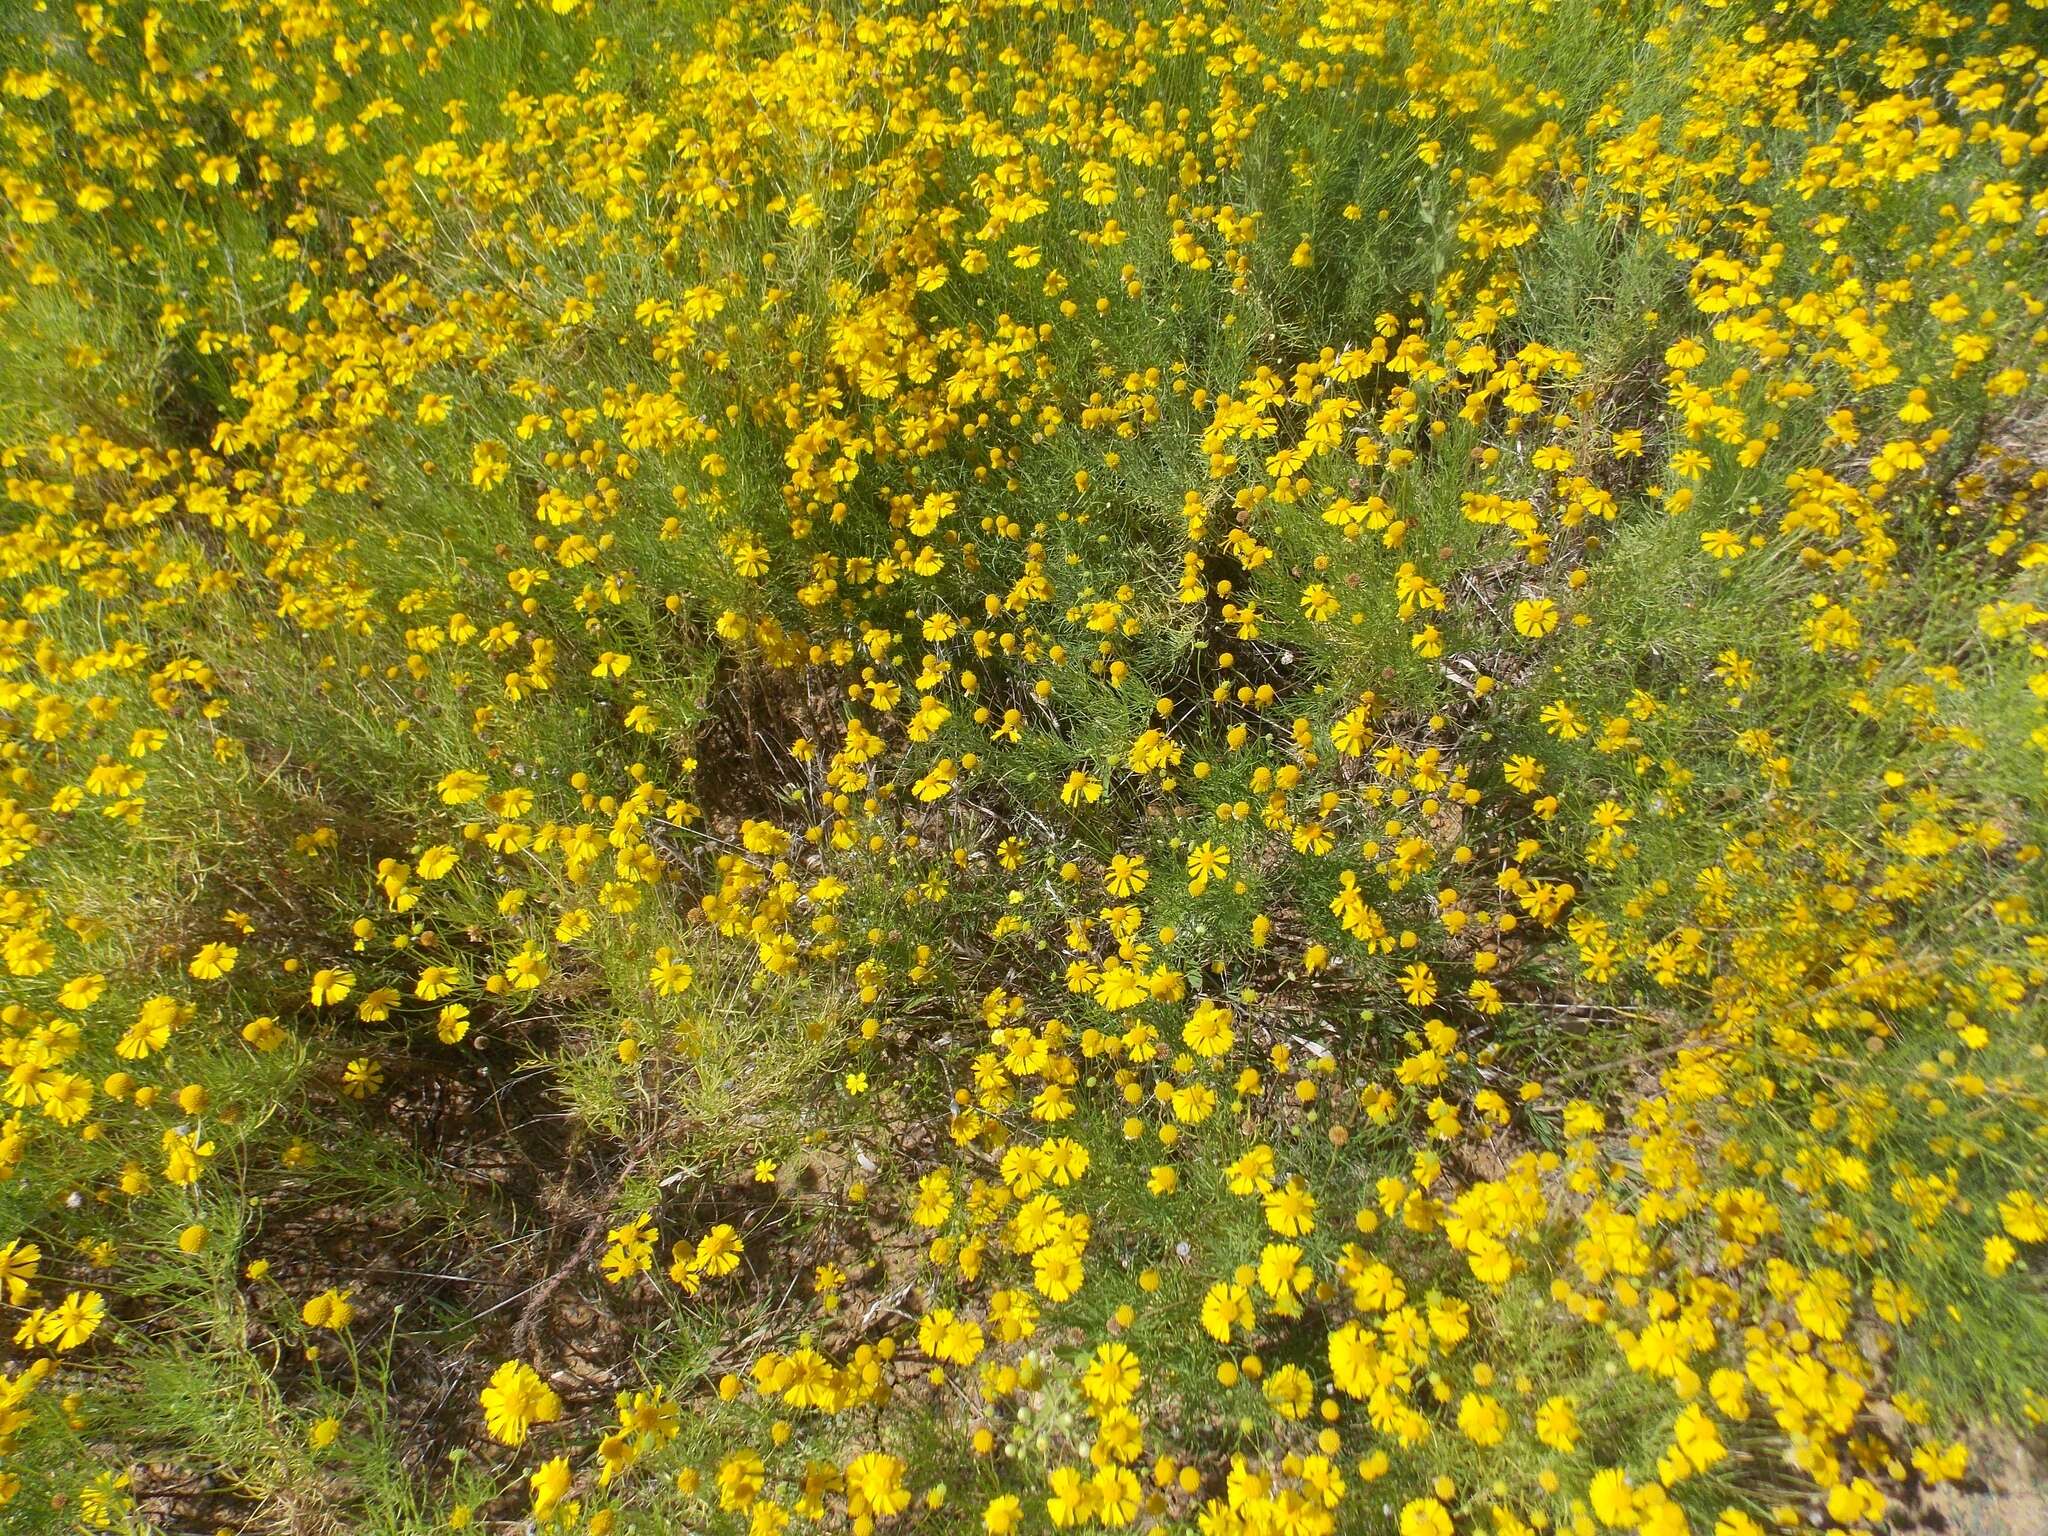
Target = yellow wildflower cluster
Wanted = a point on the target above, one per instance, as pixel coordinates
(1007, 765)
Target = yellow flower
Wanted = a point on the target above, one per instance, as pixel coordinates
(1557, 1424)
(1208, 1032)
(74, 1319)
(550, 1481)
(874, 1484)
(19, 1263)
(1353, 733)
(1612, 1498)
(515, 1400)
(81, 992)
(1481, 1419)
(331, 1309)
(1425, 1517)
(1112, 1377)
(213, 961)
(1205, 862)
(1535, 617)
(718, 1251)
(331, 986)
(462, 786)
(937, 782)
(2024, 1217)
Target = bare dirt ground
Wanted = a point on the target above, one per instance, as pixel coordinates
(2008, 1496)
